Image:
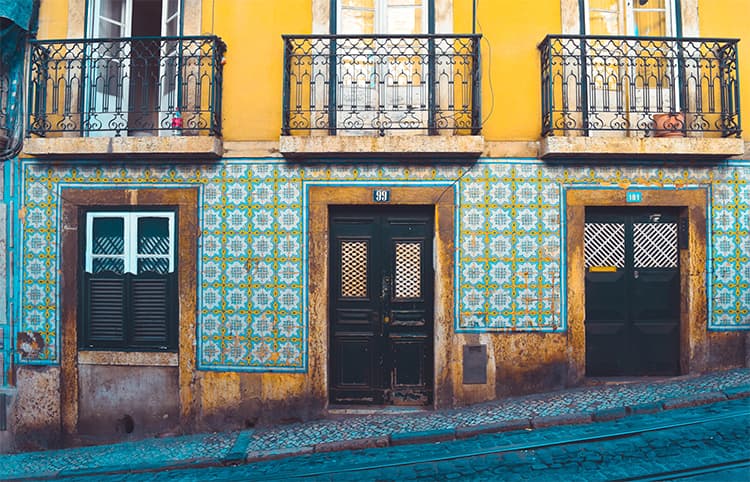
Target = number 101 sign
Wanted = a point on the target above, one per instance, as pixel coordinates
(381, 195)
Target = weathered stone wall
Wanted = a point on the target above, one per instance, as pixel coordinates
(35, 410)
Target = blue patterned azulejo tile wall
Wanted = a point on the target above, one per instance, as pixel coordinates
(251, 279)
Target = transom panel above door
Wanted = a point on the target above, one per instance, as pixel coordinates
(631, 256)
(381, 304)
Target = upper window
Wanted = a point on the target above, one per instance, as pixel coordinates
(128, 290)
(367, 17)
(125, 18)
(640, 18)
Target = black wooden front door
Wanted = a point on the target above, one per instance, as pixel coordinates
(632, 323)
(381, 304)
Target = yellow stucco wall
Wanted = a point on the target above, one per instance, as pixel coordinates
(511, 75)
(252, 30)
(729, 19)
(511, 104)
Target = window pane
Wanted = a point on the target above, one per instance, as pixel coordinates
(408, 270)
(357, 17)
(153, 236)
(650, 4)
(354, 269)
(404, 17)
(108, 236)
(112, 9)
(153, 265)
(650, 24)
(115, 265)
(604, 17)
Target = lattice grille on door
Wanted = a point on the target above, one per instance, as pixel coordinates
(408, 270)
(604, 244)
(655, 245)
(354, 269)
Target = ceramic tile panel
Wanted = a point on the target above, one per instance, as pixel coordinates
(251, 279)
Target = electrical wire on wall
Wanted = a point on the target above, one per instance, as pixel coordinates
(475, 20)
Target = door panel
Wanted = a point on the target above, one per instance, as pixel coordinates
(381, 304)
(632, 291)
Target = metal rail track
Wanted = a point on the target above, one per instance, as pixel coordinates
(535, 446)
(683, 474)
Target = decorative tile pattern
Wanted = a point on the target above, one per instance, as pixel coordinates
(730, 256)
(252, 313)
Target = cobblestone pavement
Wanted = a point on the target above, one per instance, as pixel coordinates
(600, 402)
(710, 434)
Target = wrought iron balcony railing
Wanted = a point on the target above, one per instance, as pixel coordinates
(379, 83)
(4, 107)
(630, 84)
(126, 86)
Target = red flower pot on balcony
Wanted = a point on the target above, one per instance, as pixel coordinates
(669, 125)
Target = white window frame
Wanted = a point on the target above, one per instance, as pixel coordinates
(130, 256)
(381, 17)
(626, 16)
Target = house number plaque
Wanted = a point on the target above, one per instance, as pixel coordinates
(381, 195)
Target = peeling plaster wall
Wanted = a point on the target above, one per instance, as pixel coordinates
(122, 402)
(35, 411)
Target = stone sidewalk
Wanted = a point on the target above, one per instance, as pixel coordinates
(581, 405)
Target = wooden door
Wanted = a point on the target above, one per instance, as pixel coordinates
(381, 305)
(632, 323)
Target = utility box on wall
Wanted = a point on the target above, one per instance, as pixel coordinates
(475, 364)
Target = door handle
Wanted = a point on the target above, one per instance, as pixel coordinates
(636, 274)
(385, 299)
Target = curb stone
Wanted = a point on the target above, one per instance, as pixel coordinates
(426, 436)
(608, 414)
(273, 454)
(505, 426)
(737, 392)
(565, 419)
(238, 451)
(693, 400)
(354, 444)
(644, 408)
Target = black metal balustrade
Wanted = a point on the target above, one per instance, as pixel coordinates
(4, 106)
(379, 83)
(126, 86)
(612, 83)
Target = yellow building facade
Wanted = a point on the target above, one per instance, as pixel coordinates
(249, 212)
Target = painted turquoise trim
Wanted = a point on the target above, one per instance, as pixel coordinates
(14, 194)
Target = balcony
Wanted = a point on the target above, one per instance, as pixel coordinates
(382, 96)
(647, 97)
(126, 96)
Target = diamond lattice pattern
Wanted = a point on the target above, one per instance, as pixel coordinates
(408, 270)
(354, 269)
(604, 244)
(655, 245)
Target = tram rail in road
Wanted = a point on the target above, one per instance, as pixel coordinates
(351, 469)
